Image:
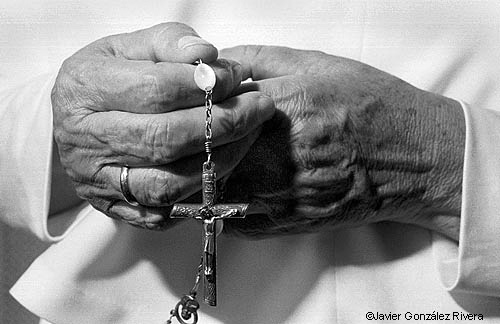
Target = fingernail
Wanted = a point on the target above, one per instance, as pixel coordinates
(188, 41)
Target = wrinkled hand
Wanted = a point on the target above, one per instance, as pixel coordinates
(349, 145)
(125, 100)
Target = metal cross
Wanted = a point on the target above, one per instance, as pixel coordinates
(209, 212)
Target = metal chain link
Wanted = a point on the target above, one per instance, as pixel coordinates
(208, 125)
(194, 290)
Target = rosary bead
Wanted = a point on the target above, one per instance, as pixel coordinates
(204, 76)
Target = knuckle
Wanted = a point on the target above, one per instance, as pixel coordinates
(164, 191)
(171, 191)
(164, 145)
(100, 204)
(150, 85)
(67, 65)
(74, 86)
(55, 95)
(174, 26)
(82, 190)
(157, 139)
(72, 68)
(60, 135)
(236, 125)
(252, 51)
(62, 81)
(108, 44)
(88, 191)
(158, 195)
(68, 134)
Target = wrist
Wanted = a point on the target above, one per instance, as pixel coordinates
(412, 150)
(446, 137)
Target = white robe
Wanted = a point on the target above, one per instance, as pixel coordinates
(102, 271)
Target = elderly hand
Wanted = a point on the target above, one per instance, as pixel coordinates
(125, 100)
(349, 145)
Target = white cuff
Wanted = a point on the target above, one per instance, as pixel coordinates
(473, 266)
(26, 157)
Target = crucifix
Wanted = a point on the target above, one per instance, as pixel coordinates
(209, 212)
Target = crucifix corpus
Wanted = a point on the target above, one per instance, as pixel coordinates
(208, 212)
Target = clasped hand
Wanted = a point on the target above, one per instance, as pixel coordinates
(347, 145)
(131, 100)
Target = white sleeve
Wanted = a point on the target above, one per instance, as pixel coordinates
(26, 157)
(473, 265)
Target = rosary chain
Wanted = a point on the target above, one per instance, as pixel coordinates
(186, 311)
(208, 125)
(194, 290)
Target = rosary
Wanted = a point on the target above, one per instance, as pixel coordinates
(208, 212)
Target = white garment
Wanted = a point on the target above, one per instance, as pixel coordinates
(102, 271)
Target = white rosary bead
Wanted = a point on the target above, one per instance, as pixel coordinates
(204, 76)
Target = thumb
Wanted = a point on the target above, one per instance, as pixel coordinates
(167, 42)
(264, 62)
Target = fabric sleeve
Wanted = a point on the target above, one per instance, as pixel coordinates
(26, 158)
(473, 265)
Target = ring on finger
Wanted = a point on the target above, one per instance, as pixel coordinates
(125, 189)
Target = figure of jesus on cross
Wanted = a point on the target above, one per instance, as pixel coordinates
(209, 212)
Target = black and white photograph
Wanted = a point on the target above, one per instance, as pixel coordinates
(249, 162)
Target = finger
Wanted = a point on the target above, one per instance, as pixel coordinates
(168, 184)
(165, 185)
(146, 87)
(143, 217)
(286, 91)
(145, 140)
(263, 62)
(139, 216)
(167, 42)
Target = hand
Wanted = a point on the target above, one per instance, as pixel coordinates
(125, 100)
(349, 145)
